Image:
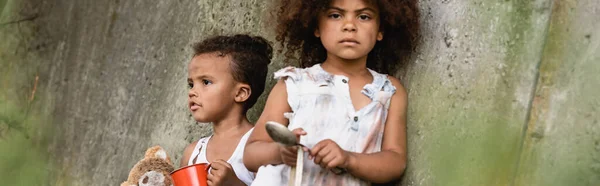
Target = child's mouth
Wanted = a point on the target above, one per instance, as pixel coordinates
(194, 107)
(349, 42)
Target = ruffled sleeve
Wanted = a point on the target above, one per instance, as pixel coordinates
(380, 90)
(292, 77)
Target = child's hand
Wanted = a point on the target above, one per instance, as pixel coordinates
(222, 174)
(329, 155)
(289, 154)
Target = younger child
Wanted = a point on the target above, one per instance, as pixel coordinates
(225, 76)
(350, 116)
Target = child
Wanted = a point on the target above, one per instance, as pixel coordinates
(226, 76)
(351, 117)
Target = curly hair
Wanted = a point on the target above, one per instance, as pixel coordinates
(250, 56)
(297, 21)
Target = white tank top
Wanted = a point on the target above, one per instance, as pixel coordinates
(236, 159)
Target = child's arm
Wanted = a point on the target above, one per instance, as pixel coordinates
(186, 154)
(260, 148)
(380, 167)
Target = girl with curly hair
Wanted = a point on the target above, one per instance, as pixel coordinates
(340, 104)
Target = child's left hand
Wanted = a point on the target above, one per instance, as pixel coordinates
(330, 155)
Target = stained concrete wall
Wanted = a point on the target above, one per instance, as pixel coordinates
(562, 140)
(113, 74)
(501, 92)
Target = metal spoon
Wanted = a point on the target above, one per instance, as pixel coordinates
(284, 136)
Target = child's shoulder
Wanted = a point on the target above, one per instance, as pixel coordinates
(189, 150)
(394, 81)
(192, 146)
(187, 153)
(313, 73)
(395, 85)
(290, 72)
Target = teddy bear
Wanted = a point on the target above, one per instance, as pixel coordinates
(153, 170)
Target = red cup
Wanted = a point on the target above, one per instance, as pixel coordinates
(192, 175)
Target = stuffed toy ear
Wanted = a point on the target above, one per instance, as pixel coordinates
(153, 169)
(157, 152)
(161, 154)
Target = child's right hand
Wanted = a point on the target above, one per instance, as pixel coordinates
(222, 173)
(289, 153)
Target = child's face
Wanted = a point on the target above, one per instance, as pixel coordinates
(212, 87)
(349, 29)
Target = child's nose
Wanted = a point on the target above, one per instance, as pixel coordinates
(349, 26)
(192, 93)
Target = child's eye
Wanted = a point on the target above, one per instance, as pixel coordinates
(335, 16)
(190, 85)
(364, 17)
(206, 82)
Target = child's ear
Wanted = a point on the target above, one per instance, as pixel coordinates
(379, 36)
(317, 33)
(243, 93)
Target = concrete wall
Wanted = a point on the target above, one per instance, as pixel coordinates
(113, 74)
(501, 92)
(562, 141)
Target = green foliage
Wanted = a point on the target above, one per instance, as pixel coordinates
(23, 150)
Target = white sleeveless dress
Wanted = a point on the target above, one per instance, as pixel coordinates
(321, 105)
(236, 159)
